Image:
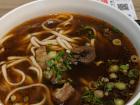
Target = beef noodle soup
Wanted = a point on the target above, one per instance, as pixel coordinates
(67, 59)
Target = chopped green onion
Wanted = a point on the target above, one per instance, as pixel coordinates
(56, 66)
(134, 58)
(113, 68)
(124, 67)
(109, 86)
(113, 76)
(133, 73)
(89, 98)
(117, 42)
(138, 102)
(120, 85)
(119, 101)
(89, 31)
(52, 54)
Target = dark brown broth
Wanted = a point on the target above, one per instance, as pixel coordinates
(105, 50)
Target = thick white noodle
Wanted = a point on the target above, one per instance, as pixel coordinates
(43, 43)
(67, 44)
(76, 38)
(2, 62)
(17, 62)
(1, 103)
(95, 33)
(37, 71)
(29, 47)
(2, 50)
(33, 50)
(33, 34)
(49, 38)
(34, 43)
(26, 37)
(68, 20)
(66, 23)
(61, 43)
(30, 86)
(56, 48)
(2, 40)
(37, 65)
(92, 42)
(15, 57)
(56, 33)
(4, 72)
(47, 42)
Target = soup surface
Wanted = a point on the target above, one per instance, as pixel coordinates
(67, 59)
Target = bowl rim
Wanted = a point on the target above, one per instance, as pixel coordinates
(98, 2)
(131, 101)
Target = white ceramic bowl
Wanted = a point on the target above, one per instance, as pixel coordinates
(84, 7)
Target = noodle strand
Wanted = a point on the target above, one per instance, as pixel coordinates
(37, 65)
(30, 86)
(4, 72)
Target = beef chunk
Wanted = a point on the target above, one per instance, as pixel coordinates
(63, 94)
